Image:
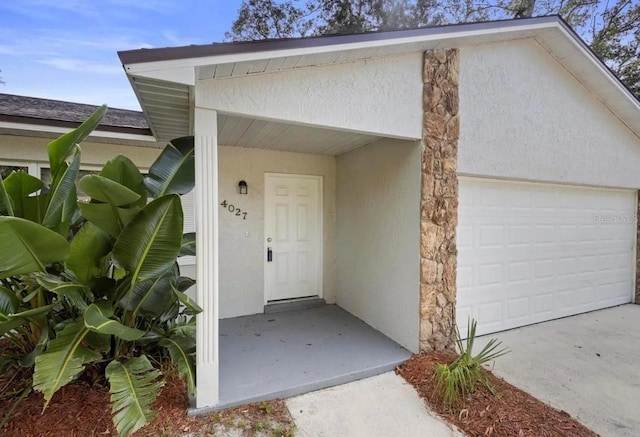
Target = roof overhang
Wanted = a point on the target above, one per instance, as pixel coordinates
(163, 78)
(35, 127)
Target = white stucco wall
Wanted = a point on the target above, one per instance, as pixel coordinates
(378, 237)
(242, 257)
(524, 116)
(382, 95)
(34, 149)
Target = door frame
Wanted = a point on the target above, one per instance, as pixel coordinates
(320, 266)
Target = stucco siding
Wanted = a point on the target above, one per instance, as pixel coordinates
(242, 241)
(523, 116)
(34, 149)
(378, 230)
(380, 96)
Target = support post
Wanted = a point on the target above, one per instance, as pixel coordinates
(206, 199)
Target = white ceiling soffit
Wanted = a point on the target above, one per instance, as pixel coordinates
(236, 131)
(165, 105)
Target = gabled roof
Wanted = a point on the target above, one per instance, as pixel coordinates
(34, 116)
(162, 78)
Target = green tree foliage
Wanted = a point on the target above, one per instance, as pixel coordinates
(611, 28)
(94, 286)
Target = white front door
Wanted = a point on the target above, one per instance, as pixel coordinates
(293, 236)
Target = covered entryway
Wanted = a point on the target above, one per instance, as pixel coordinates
(530, 252)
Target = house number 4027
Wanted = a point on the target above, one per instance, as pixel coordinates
(234, 210)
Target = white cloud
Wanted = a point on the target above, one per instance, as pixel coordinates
(80, 65)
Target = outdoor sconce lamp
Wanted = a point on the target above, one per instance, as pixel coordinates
(243, 187)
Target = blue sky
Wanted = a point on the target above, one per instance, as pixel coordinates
(66, 49)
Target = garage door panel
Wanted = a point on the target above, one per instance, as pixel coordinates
(533, 252)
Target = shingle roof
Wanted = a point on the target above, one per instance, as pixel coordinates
(59, 113)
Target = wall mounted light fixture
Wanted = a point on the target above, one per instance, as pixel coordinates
(242, 185)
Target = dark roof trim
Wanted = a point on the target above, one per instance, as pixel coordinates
(73, 125)
(35, 110)
(216, 49)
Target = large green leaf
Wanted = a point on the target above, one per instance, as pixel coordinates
(174, 170)
(123, 171)
(6, 204)
(110, 219)
(103, 189)
(62, 200)
(28, 247)
(188, 246)
(66, 288)
(150, 243)
(64, 359)
(9, 302)
(182, 351)
(19, 185)
(151, 296)
(134, 387)
(60, 148)
(184, 299)
(88, 247)
(34, 207)
(97, 317)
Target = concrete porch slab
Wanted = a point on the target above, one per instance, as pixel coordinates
(268, 356)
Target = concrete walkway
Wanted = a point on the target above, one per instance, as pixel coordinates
(384, 405)
(586, 365)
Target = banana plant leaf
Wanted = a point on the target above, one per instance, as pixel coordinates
(188, 246)
(110, 219)
(150, 243)
(98, 318)
(29, 359)
(73, 292)
(174, 170)
(28, 247)
(184, 299)
(62, 199)
(65, 358)
(88, 248)
(9, 302)
(60, 148)
(105, 190)
(151, 296)
(19, 185)
(182, 350)
(134, 387)
(123, 171)
(6, 204)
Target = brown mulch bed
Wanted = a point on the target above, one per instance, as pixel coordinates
(510, 412)
(80, 410)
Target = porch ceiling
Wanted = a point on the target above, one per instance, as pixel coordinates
(236, 131)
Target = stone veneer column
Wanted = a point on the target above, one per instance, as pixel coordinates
(439, 200)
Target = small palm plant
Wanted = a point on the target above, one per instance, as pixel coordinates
(461, 377)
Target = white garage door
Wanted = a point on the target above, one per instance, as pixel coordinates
(534, 252)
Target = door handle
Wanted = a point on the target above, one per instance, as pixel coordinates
(269, 255)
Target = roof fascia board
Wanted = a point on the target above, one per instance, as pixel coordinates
(596, 62)
(144, 68)
(63, 130)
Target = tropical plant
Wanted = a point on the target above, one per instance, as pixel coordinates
(93, 287)
(461, 377)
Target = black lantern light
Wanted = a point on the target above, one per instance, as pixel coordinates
(242, 185)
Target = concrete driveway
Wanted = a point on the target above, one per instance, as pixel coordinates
(586, 365)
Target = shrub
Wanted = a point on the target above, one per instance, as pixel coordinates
(94, 287)
(461, 377)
